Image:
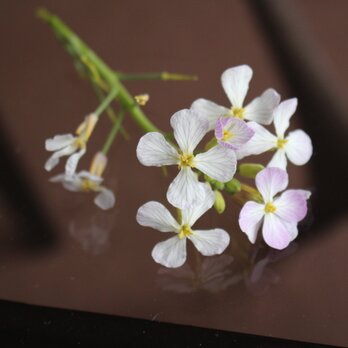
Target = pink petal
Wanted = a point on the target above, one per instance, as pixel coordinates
(250, 219)
(275, 232)
(270, 181)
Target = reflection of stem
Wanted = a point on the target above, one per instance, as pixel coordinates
(106, 102)
(112, 135)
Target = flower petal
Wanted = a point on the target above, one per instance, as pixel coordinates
(185, 190)
(54, 159)
(156, 215)
(219, 163)
(275, 232)
(250, 219)
(239, 131)
(105, 199)
(261, 108)
(305, 193)
(299, 147)
(59, 141)
(154, 150)
(235, 82)
(192, 214)
(209, 110)
(84, 174)
(261, 141)
(291, 206)
(270, 181)
(282, 115)
(292, 230)
(278, 160)
(189, 129)
(170, 253)
(73, 184)
(210, 242)
(72, 162)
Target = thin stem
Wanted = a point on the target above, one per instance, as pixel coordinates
(164, 76)
(113, 133)
(106, 102)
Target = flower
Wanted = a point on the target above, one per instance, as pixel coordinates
(232, 133)
(297, 146)
(85, 181)
(279, 215)
(172, 252)
(218, 163)
(68, 145)
(235, 82)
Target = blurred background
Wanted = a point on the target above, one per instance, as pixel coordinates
(57, 249)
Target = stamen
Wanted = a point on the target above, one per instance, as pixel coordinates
(227, 135)
(281, 143)
(270, 208)
(238, 112)
(185, 231)
(88, 185)
(186, 160)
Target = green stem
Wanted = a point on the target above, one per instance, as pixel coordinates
(164, 76)
(78, 49)
(106, 102)
(112, 135)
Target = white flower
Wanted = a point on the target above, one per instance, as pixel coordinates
(279, 215)
(85, 181)
(235, 82)
(297, 146)
(189, 128)
(69, 145)
(172, 252)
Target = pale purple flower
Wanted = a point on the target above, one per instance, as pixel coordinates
(235, 82)
(278, 215)
(232, 133)
(172, 252)
(189, 129)
(297, 146)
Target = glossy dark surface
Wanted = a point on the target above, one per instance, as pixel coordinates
(57, 249)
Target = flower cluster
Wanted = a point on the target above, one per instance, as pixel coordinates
(238, 131)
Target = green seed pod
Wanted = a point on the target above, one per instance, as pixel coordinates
(219, 203)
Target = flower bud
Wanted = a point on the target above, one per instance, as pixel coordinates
(233, 186)
(249, 170)
(214, 183)
(219, 203)
(98, 164)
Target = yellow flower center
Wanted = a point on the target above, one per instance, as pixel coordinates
(88, 185)
(185, 231)
(237, 112)
(270, 208)
(281, 143)
(186, 160)
(227, 135)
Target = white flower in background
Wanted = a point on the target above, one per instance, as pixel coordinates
(172, 252)
(69, 145)
(189, 128)
(85, 181)
(297, 146)
(279, 215)
(232, 133)
(235, 82)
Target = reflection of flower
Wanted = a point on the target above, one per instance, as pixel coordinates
(68, 145)
(90, 182)
(213, 275)
(172, 252)
(92, 233)
(279, 215)
(189, 129)
(235, 82)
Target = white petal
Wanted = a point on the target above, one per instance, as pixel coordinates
(170, 253)
(105, 199)
(270, 181)
(250, 219)
(219, 163)
(59, 141)
(262, 141)
(185, 189)
(192, 214)
(235, 82)
(54, 159)
(299, 147)
(291, 206)
(58, 178)
(292, 230)
(84, 174)
(72, 162)
(282, 115)
(278, 160)
(74, 184)
(275, 233)
(209, 110)
(155, 215)
(305, 193)
(210, 242)
(261, 109)
(189, 129)
(154, 150)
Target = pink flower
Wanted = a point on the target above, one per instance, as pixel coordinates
(278, 215)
